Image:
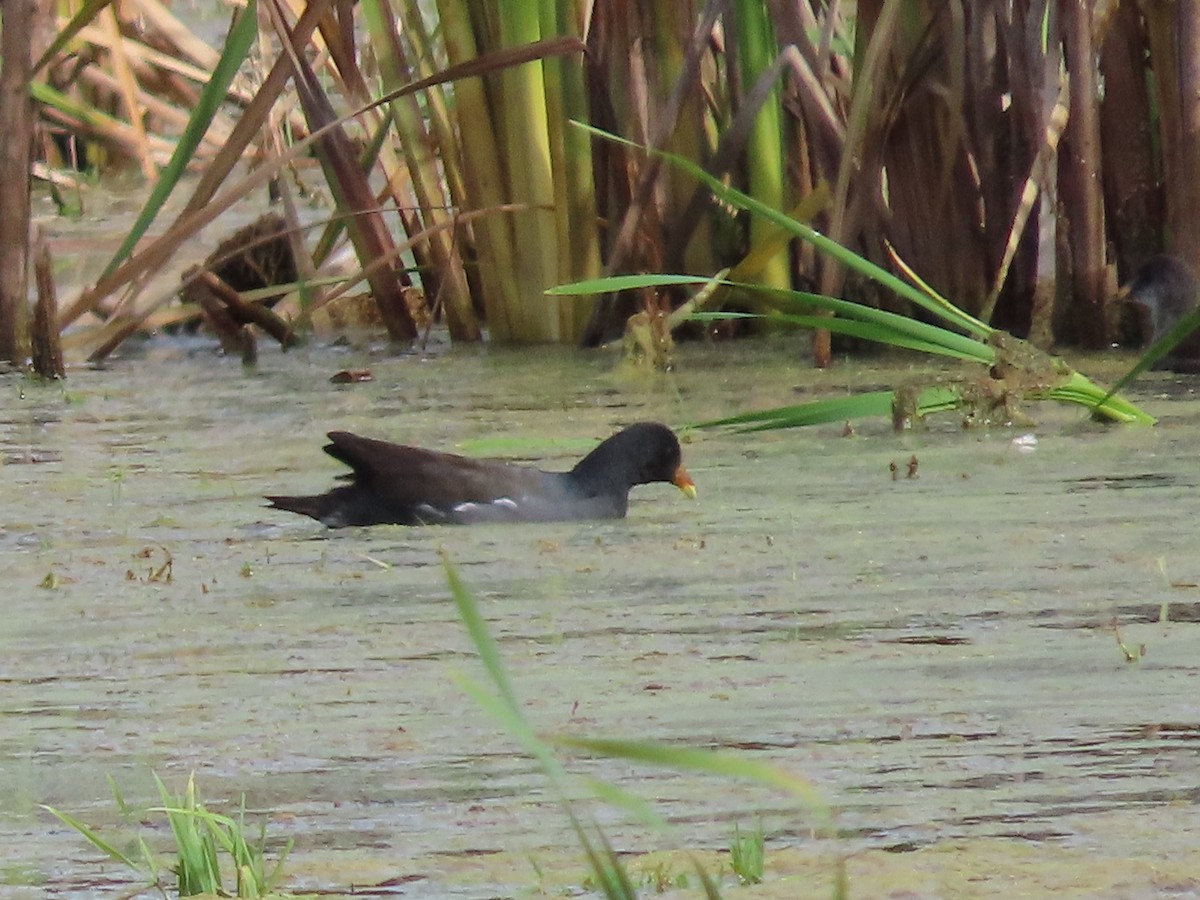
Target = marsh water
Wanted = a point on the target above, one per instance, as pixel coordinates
(941, 655)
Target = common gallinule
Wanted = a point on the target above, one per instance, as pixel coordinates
(397, 485)
(1163, 291)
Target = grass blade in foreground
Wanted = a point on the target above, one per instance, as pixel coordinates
(1159, 349)
(712, 762)
(93, 837)
(607, 870)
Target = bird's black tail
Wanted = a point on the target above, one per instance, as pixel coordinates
(312, 506)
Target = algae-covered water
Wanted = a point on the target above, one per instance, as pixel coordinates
(938, 654)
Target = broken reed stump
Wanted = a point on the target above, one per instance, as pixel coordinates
(45, 340)
(245, 313)
(236, 336)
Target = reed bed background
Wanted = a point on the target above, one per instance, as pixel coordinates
(1020, 158)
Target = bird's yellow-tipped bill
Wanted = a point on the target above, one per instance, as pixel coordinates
(683, 481)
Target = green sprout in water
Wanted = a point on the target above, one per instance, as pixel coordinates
(662, 877)
(117, 478)
(746, 855)
(200, 837)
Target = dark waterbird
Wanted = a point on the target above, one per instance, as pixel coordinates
(1163, 290)
(392, 484)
